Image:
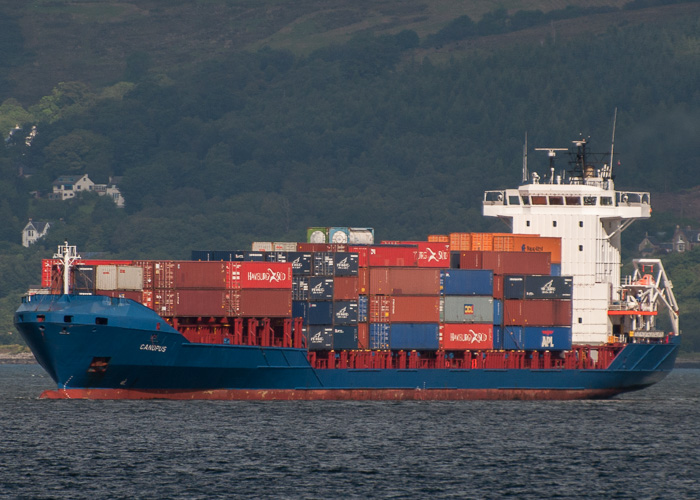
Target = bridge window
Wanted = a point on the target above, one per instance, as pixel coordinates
(590, 200)
(526, 200)
(539, 200)
(573, 200)
(514, 200)
(556, 200)
(605, 200)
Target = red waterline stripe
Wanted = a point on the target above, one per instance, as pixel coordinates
(334, 394)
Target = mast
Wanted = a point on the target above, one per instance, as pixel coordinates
(67, 254)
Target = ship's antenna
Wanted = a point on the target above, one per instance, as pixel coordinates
(612, 146)
(525, 173)
(552, 153)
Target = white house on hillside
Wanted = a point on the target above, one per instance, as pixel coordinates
(68, 186)
(34, 231)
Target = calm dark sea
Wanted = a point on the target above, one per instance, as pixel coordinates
(640, 445)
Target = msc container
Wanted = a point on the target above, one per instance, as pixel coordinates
(379, 336)
(245, 275)
(392, 256)
(324, 264)
(460, 336)
(517, 262)
(338, 235)
(262, 303)
(404, 309)
(317, 235)
(300, 309)
(537, 338)
(404, 281)
(537, 312)
(361, 236)
(320, 288)
(320, 338)
(320, 313)
(262, 246)
(433, 254)
(363, 309)
(83, 279)
(300, 288)
(345, 337)
(472, 259)
(345, 312)
(538, 287)
(346, 264)
(345, 288)
(363, 336)
(467, 309)
(414, 336)
(466, 282)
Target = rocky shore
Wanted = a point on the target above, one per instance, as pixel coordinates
(16, 358)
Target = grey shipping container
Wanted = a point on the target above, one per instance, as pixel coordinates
(466, 309)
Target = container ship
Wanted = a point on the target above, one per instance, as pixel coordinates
(540, 312)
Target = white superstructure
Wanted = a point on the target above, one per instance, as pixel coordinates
(583, 208)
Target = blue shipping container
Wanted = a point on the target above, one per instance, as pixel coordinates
(320, 313)
(466, 282)
(547, 338)
(345, 312)
(320, 288)
(379, 336)
(301, 263)
(324, 264)
(344, 337)
(555, 269)
(512, 337)
(320, 338)
(362, 306)
(497, 312)
(414, 336)
(497, 337)
(300, 309)
(300, 288)
(347, 264)
(538, 287)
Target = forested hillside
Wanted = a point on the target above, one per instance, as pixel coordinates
(400, 125)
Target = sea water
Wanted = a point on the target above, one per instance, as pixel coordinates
(644, 444)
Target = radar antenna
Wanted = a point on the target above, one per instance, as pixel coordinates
(552, 153)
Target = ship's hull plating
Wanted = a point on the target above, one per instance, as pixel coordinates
(144, 358)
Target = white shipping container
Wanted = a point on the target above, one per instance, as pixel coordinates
(106, 278)
(130, 278)
(262, 246)
(284, 246)
(360, 236)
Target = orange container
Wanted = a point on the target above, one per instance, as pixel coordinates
(460, 241)
(529, 243)
(482, 241)
(438, 238)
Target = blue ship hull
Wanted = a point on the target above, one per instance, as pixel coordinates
(100, 347)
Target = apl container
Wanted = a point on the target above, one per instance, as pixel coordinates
(467, 309)
(345, 312)
(321, 313)
(345, 337)
(460, 336)
(466, 282)
(404, 281)
(537, 338)
(320, 338)
(320, 288)
(414, 336)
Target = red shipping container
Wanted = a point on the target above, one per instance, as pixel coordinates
(363, 281)
(404, 281)
(345, 288)
(208, 303)
(164, 301)
(537, 312)
(433, 255)
(517, 262)
(362, 252)
(497, 286)
(262, 303)
(394, 256)
(200, 274)
(471, 259)
(363, 336)
(459, 337)
(322, 247)
(164, 274)
(244, 275)
(147, 266)
(407, 309)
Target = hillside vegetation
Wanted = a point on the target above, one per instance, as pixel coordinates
(233, 121)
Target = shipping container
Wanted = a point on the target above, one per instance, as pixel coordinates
(517, 262)
(361, 236)
(202, 303)
(300, 309)
(317, 235)
(460, 241)
(460, 336)
(204, 255)
(119, 277)
(345, 337)
(262, 246)
(338, 235)
(538, 287)
(497, 312)
(537, 312)
(284, 246)
(467, 309)
(83, 279)
(320, 288)
(362, 254)
(106, 278)
(320, 338)
(163, 274)
(404, 281)
(363, 336)
(363, 309)
(531, 243)
(433, 255)
(346, 264)
(345, 312)
(321, 313)
(379, 336)
(345, 288)
(275, 256)
(164, 300)
(324, 264)
(363, 282)
(300, 288)
(262, 303)
(466, 282)
(404, 309)
(414, 336)
(302, 263)
(439, 238)
(482, 241)
(497, 286)
(392, 256)
(245, 275)
(537, 338)
(194, 274)
(471, 259)
(555, 269)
